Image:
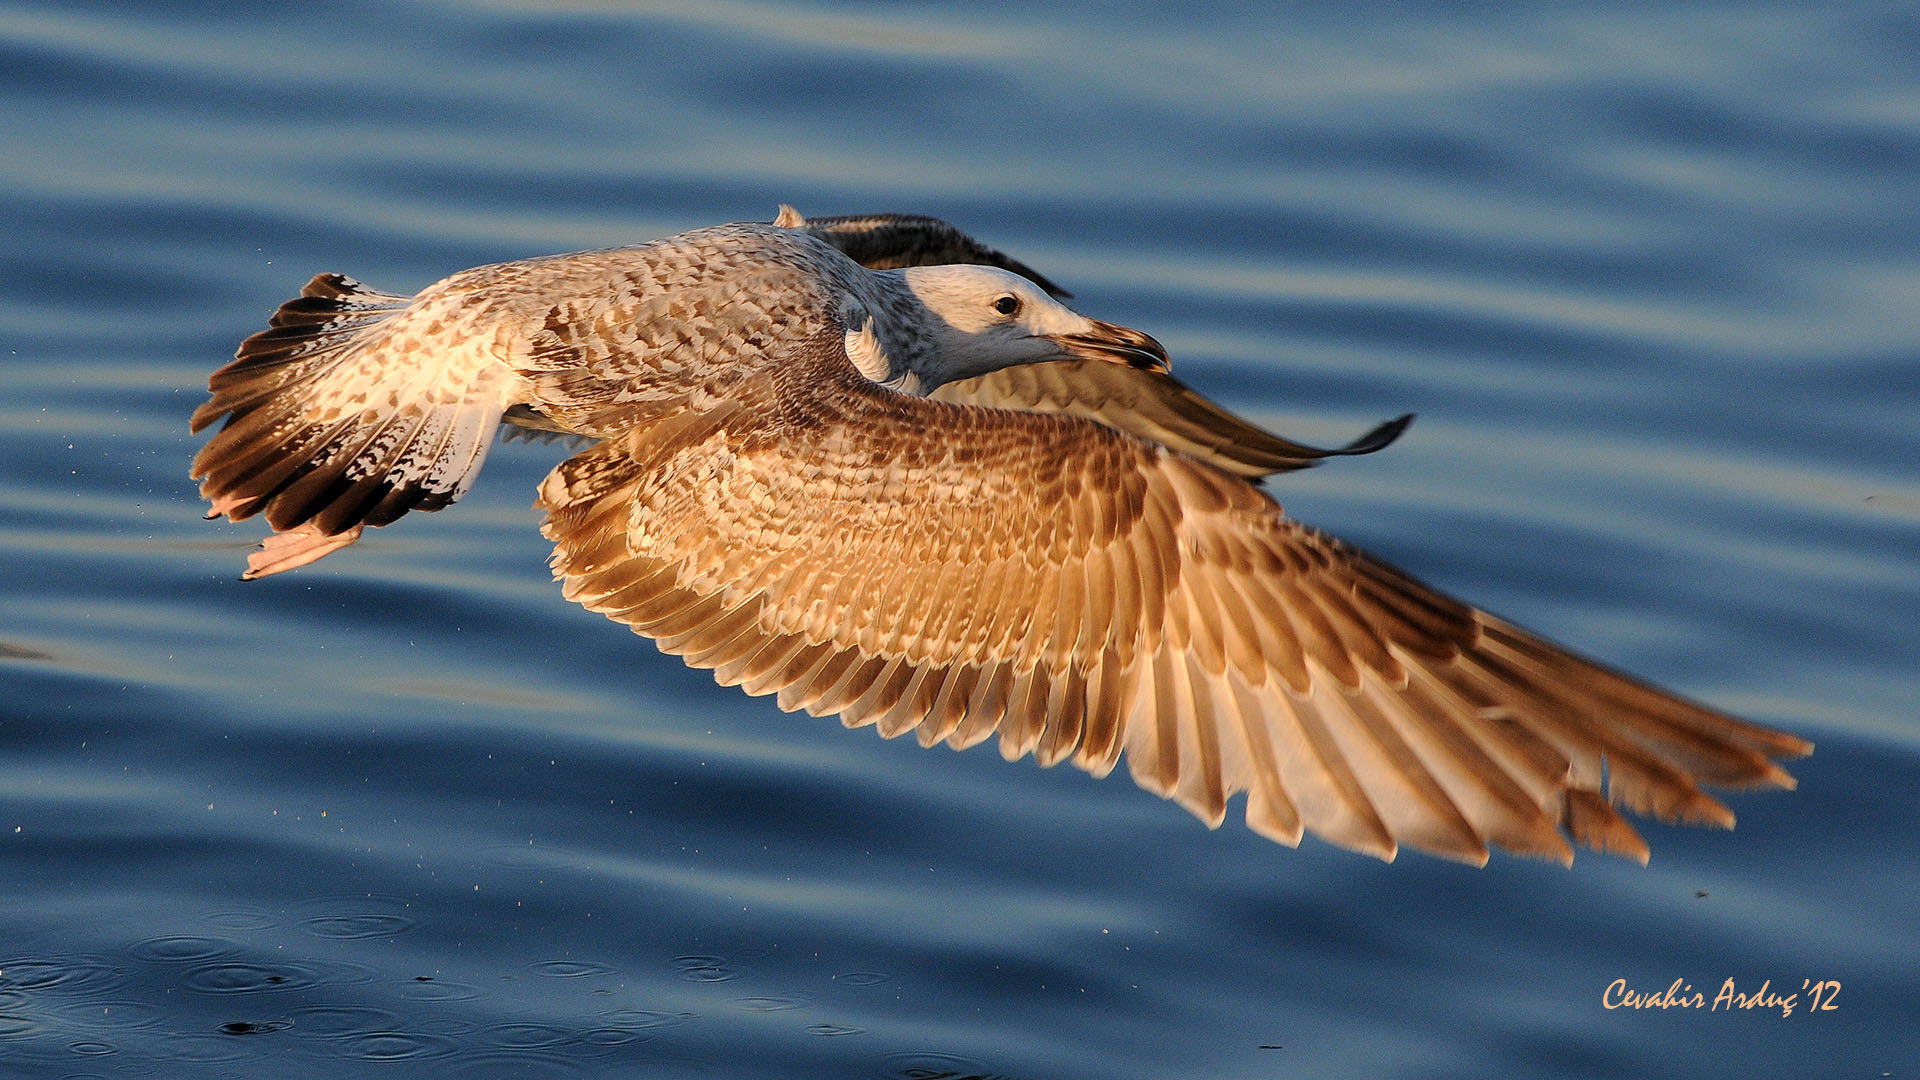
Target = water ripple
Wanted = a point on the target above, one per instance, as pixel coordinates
(481, 1064)
(770, 1004)
(254, 1027)
(387, 1046)
(240, 920)
(347, 927)
(929, 1065)
(241, 977)
(246, 977)
(572, 969)
(120, 1014)
(424, 989)
(351, 917)
(607, 1038)
(334, 1021)
(204, 1049)
(523, 1036)
(68, 975)
(181, 948)
(14, 1026)
(707, 969)
(643, 1019)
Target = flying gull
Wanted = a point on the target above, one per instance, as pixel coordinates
(879, 470)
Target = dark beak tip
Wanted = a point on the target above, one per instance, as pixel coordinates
(1121, 345)
(1151, 357)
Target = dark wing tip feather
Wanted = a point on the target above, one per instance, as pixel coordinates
(336, 286)
(1270, 453)
(1381, 437)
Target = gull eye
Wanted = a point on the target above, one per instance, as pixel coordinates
(1007, 305)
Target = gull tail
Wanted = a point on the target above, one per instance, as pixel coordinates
(344, 414)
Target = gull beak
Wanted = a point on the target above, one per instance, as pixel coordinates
(1116, 345)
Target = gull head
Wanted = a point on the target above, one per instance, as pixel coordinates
(981, 318)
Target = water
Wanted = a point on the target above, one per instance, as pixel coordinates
(1648, 273)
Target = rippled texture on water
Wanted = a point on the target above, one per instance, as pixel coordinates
(1648, 273)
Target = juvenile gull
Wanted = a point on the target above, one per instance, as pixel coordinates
(773, 496)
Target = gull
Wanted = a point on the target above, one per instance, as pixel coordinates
(877, 469)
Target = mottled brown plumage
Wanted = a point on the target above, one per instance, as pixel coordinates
(769, 498)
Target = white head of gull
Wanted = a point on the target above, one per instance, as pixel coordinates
(972, 320)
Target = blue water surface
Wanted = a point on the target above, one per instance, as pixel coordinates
(1649, 273)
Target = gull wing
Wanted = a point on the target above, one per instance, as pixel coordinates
(1156, 407)
(970, 574)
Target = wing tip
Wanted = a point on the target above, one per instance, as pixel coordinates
(1594, 824)
(295, 548)
(1381, 436)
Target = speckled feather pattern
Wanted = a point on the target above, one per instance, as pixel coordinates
(965, 574)
(1083, 573)
(357, 406)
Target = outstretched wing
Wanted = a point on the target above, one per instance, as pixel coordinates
(966, 573)
(1157, 407)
